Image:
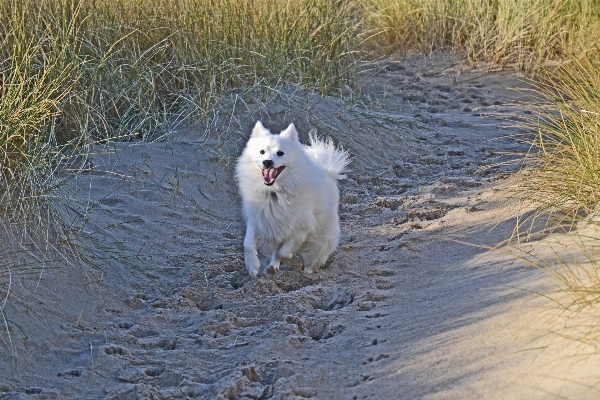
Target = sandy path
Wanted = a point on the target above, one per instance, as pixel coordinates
(405, 310)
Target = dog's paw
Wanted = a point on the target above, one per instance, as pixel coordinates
(271, 269)
(252, 270)
(308, 271)
(252, 263)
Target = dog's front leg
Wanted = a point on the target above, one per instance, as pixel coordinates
(289, 247)
(286, 250)
(250, 253)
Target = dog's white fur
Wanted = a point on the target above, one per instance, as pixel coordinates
(294, 208)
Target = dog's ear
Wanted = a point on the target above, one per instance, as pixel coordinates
(259, 130)
(290, 133)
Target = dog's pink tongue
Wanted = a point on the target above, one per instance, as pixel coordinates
(269, 175)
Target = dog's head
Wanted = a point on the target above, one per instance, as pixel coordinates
(270, 153)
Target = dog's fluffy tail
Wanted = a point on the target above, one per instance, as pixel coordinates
(333, 160)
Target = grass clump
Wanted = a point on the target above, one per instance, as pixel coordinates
(528, 33)
(565, 175)
(560, 188)
(37, 77)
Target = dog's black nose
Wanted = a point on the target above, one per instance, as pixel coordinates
(268, 163)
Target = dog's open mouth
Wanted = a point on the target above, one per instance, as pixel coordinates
(270, 174)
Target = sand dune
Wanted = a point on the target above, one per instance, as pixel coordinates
(413, 304)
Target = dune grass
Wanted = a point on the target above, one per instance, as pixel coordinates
(566, 148)
(151, 64)
(561, 185)
(557, 43)
(77, 72)
(527, 33)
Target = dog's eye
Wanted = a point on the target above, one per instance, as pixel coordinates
(262, 152)
(280, 153)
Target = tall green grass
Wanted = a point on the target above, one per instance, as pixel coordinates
(525, 32)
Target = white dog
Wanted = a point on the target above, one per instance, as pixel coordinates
(290, 197)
